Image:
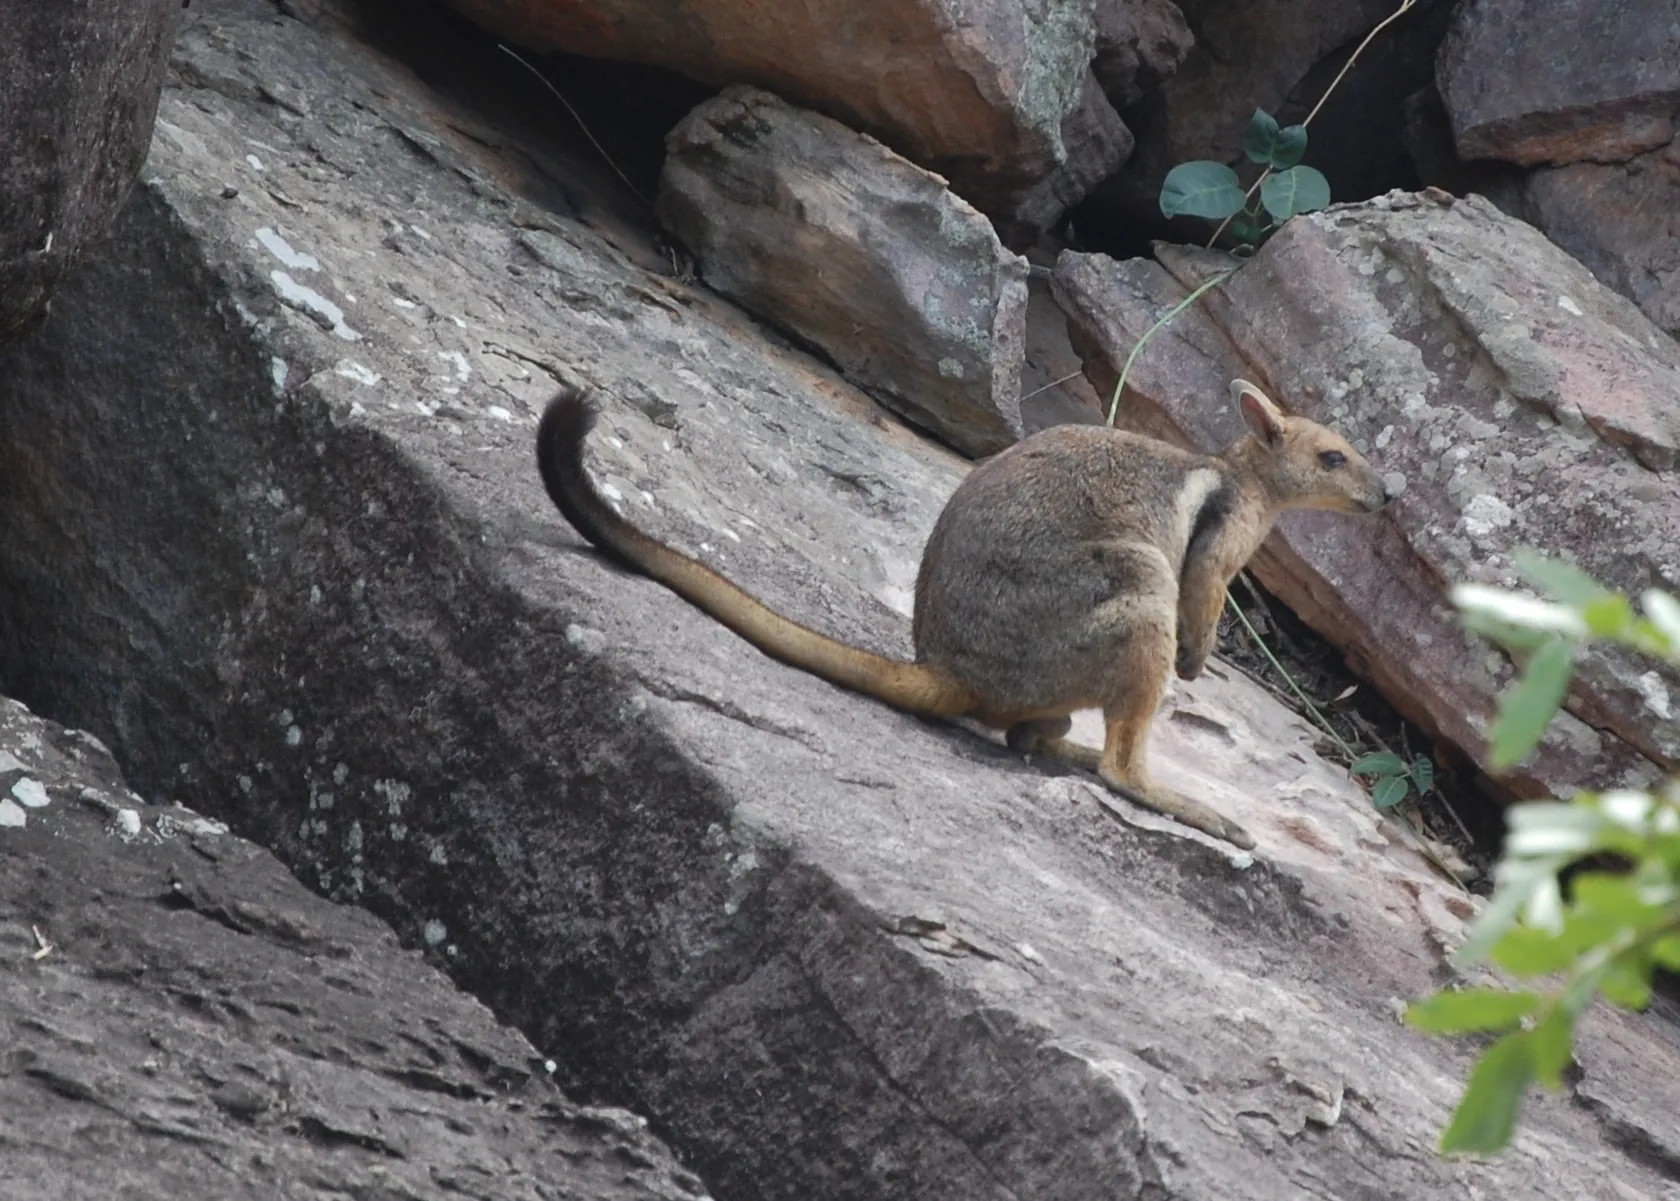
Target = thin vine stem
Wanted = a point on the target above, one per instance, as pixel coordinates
(1137, 348)
(1248, 197)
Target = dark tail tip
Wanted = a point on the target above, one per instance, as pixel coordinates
(565, 424)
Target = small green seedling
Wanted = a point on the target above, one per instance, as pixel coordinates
(1211, 190)
(1393, 778)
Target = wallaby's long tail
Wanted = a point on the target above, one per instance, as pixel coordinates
(910, 686)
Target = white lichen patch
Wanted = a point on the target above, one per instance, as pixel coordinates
(434, 932)
(30, 793)
(1655, 692)
(356, 373)
(12, 814)
(1485, 515)
(312, 304)
(395, 794)
(282, 250)
(126, 824)
(10, 763)
(457, 360)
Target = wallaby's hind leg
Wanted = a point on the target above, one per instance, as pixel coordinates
(1141, 679)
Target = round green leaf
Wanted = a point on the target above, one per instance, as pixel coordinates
(1389, 792)
(1291, 144)
(1201, 189)
(1378, 763)
(1260, 142)
(1297, 190)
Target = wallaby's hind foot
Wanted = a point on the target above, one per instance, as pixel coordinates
(1048, 736)
(1125, 766)
(1182, 809)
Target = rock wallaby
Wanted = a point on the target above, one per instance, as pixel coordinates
(1074, 570)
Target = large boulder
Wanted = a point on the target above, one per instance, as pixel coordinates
(179, 1017)
(1619, 220)
(986, 94)
(272, 527)
(79, 83)
(1514, 400)
(1531, 81)
(832, 237)
(1587, 96)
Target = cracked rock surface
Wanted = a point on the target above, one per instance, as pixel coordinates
(180, 1018)
(273, 530)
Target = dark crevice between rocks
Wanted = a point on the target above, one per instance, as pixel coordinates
(606, 129)
(1634, 1141)
(1358, 139)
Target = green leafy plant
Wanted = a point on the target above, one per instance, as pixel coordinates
(1393, 778)
(1208, 189)
(1610, 930)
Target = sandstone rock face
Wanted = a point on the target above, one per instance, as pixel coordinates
(1515, 400)
(1529, 81)
(182, 1019)
(981, 93)
(272, 525)
(832, 237)
(1622, 220)
(80, 88)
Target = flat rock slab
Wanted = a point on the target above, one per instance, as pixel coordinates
(830, 236)
(273, 527)
(1513, 401)
(180, 1018)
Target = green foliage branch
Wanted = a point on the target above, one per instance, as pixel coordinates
(1610, 930)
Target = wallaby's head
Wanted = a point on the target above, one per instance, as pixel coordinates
(1305, 465)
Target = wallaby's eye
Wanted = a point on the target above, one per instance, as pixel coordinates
(1331, 459)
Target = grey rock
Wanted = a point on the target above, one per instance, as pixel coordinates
(830, 236)
(79, 83)
(1529, 81)
(180, 1017)
(304, 578)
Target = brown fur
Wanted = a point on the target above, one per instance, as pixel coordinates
(1074, 570)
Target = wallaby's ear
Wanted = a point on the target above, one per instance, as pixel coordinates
(1263, 417)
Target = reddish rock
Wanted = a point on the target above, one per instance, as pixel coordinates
(981, 93)
(832, 237)
(81, 83)
(1533, 81)
(1623, 221)
(1513, 399)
